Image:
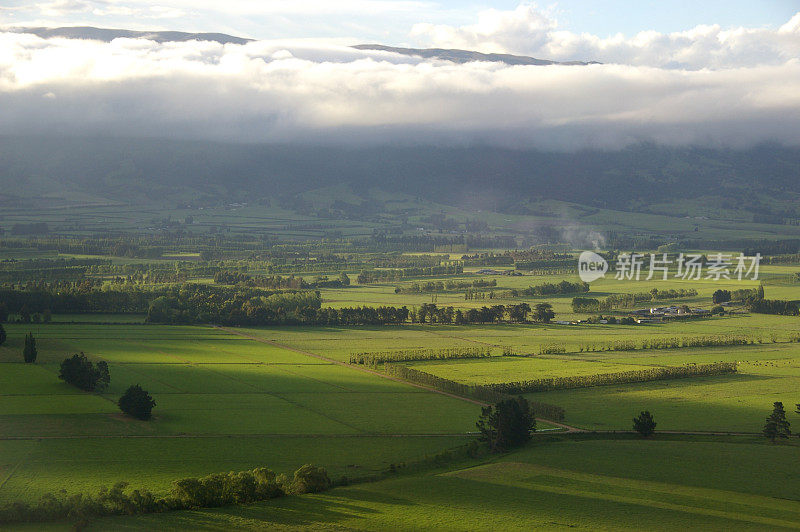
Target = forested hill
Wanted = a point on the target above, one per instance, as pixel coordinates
(132, 170)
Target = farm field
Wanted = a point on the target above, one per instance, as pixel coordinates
(496, 268)
(340, 342)
(775, 278)
(564, 483)
(722, 403)
(232, 398)
(222, 402)
(736, 403)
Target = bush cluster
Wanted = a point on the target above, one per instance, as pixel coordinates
(80, 372)
(214, 490)
(552, 349)
(137, 403)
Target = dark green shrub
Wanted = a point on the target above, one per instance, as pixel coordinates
(644, 424)
(80, 372)
(29, 352)
(310, 479)
(507, 424)
(137, 403)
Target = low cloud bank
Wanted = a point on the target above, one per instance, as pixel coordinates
(285, 91)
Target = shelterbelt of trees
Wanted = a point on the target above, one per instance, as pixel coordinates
(396, 274)
(239, 305)
(278, 282)
(76, 298)
(198, 304)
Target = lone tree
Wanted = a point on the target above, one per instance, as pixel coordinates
(79, 371)
(137, 403)
(507, 424)
(29, 352)
(644, 424)
(776, 425)
(543, 312)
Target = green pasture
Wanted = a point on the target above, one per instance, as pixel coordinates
(626, 484)
(724, 403)
(29, 468)
(340, 342)
(509, 369)
(222, 401)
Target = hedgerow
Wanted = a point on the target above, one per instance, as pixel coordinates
(669, 343)
(478, 392)
(211, 491)
(379, 357)
(623, 377)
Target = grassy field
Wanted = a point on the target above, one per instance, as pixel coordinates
(736, 403)
(340, 342)
(562, 483)
(222, 401)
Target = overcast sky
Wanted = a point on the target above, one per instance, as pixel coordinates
(712, 73)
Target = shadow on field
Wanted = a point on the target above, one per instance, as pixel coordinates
(306, 511)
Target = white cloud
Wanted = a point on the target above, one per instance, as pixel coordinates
(529, 31)
(293, 90)
(58, 8)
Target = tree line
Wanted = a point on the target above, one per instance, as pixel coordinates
(667, 343)
(564, 287)
(276, 282)
(451, 353)
(304, 308)
(77, 298)
(397, 274)
(774, 306)
(441, 286)
(623, 377)
(473, 391)
(211, 491)
(615, 301)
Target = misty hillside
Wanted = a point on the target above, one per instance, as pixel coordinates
(763, 179)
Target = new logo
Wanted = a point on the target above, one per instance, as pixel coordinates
(591, 266)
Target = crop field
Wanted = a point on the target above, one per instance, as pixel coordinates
(223, 401)
(592, 483)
